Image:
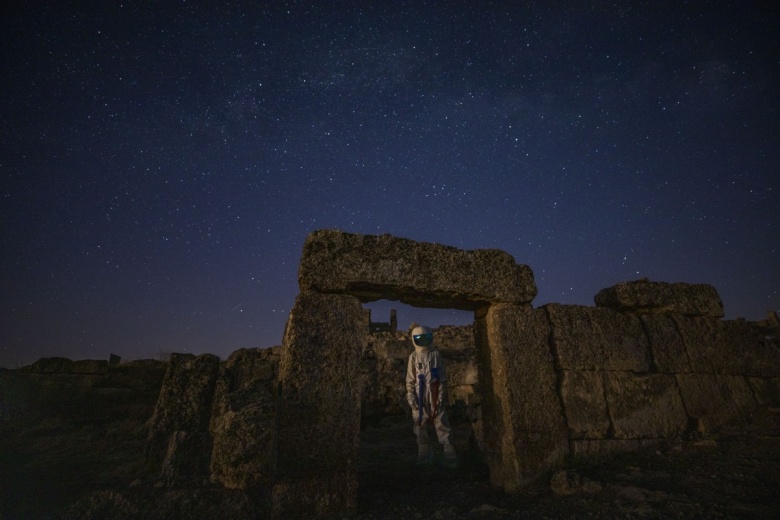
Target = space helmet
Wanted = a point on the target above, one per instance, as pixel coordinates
(422, 336)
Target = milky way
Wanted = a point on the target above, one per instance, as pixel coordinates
(162, 166)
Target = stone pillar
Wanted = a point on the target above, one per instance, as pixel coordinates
(525, 430)
(318, 409)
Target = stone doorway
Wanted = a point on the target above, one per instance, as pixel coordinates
(386, 471)
(319, 377)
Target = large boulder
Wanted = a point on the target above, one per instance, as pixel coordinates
(644, 296)
(372, 267)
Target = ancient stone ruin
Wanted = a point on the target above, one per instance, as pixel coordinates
(545, 386)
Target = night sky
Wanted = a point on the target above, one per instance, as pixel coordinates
(161, 163)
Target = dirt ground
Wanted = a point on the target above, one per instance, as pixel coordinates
(734, 473)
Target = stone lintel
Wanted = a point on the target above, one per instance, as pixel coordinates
(373, 267)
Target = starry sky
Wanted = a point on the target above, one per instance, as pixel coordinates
(161, 163)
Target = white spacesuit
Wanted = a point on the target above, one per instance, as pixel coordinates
(426, 392)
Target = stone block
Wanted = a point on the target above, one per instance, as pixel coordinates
(373, 267)
(584, 404)
(591, 338)
(666, 344)
(715, 399)
(242, 421)
(644, 296)
(728, 347)
(523, 419)
(318, 409)
(644, 406)
(766, 390)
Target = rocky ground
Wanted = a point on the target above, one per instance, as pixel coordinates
(734, 473)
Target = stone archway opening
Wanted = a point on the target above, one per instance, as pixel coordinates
(387, 448)
(319, 376)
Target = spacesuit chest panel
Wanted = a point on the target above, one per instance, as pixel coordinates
(424, 360)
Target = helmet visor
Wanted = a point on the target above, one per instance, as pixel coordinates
(423, 340)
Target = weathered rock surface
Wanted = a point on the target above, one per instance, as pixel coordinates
(766, 390)
(727, 347)
(644, 296)
(319, 406)
(644, 406)
(242, 419)
(373, 267)
(666, 344)
(584, 403)
(184, 403)
(588, 338)
(186, 457)
(716, 400)
(523, 419)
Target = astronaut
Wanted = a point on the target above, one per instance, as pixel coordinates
(426, 393)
